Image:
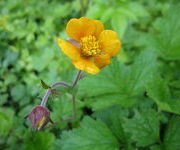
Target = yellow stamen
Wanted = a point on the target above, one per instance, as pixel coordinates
(89, 46)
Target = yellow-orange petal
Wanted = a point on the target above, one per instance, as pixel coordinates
(70, 50)
(110, 44)
(78, 28)
(102, 60)
(85, 64)
(99, 27)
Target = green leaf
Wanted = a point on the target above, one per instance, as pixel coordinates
(158, 90)
(41, 61)
(119, 23)
(39, 141)
(91, 135)
(167, 38)
(7, 118)
(107, 15)
(143, 128)
(113, 117)
(44, 85)
(62, 108)
(172, 135)
(95, 12)
(3, 98)
(18, 92)
(126, 11)
(138, 9)
(156, 147)
(118, 83)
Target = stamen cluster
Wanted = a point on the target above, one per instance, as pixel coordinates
(89, 46)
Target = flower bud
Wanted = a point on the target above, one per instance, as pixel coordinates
(39, 117)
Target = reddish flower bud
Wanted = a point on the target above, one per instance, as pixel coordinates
(39, 117)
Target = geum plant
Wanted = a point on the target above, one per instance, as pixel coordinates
(90, 48)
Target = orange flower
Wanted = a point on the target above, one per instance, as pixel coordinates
(91, 47)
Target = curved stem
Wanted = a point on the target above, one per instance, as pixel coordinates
(77, 78)
(74, 105)
(48, 92)
(55, 85)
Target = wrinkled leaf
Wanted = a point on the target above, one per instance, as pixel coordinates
(91, 135)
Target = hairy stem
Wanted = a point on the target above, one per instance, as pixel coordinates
(77, 78)
(49, 91)
(55, 85)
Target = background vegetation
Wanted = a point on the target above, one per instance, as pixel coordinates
(133, 104)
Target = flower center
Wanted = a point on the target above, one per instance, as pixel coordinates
(89, 46)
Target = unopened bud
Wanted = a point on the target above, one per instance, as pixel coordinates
(39, 117)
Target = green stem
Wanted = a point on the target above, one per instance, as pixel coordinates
(55, 85)
(82, 8)
(48, 92)
(74, 94)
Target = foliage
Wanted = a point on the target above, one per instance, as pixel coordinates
(134, 103)
(91, 135)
